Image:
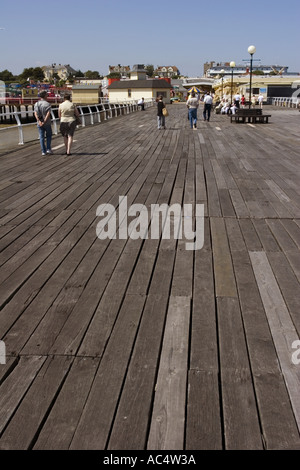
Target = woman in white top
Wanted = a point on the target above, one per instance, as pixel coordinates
(67, 112)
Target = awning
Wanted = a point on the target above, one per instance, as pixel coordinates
(194, 89)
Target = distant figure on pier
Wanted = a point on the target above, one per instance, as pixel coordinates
(237, 99)
(260, 100)
(207, 106)
(192, 104)
(243, 101)
(161, 120)
(42, 113)
(67, 113)
(141, 103)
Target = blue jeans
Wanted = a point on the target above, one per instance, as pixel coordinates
(161, 122)
(45, 131)
(193, 116)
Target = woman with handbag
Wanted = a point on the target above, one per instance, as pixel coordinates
(161, 117)
(69, 118)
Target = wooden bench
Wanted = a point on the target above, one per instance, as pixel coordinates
(250, 115)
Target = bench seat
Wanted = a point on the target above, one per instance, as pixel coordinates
(250, 115)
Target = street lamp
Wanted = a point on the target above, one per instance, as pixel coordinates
(251, 50)
(232, 65)
(222, 72)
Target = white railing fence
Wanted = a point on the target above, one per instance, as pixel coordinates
(292, 102)
(23, 132)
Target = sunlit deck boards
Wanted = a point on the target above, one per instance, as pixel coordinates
(142, 344)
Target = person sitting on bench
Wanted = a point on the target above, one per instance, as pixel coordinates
(141, 103)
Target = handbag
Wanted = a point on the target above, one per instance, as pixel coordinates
(165, 112)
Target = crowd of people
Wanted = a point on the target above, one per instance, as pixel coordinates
(69, 115)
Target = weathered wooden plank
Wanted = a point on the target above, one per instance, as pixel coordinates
(182, 280)
(241, 420)
(238, 202)
(281, 325)
(289, 285)
(15, 386)
(283, 238)
(204, 342)
(277, 421)
(93, 429)
(203, 422)
(22, 430)
(224, 277)
(60, 425)
(130, 428)
(168, 417)
(251, 238)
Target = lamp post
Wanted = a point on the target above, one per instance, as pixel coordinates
(222, 72)
(251, 50)
(232, 65)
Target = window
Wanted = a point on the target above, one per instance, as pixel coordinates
(129, 92)
(162, 93)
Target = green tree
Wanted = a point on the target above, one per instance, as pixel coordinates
(257, 72)
(38, 74)
(32, 73)
(92, 75)
(6, 76)
(79, 73)
(114, 75)
(150, 70)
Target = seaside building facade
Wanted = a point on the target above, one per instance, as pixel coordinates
(213, 69)
(139, 86)
(269, 86)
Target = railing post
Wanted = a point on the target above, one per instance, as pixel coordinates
(20, 128)
(91, 114)
(53, 118)
(98, 113)
(81, 115)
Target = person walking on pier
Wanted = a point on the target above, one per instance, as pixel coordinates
(193, 103)
(207, 106)
(42, 113)
(67, 113)
(161, 120)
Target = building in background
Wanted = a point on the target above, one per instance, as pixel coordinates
(86, 94)
(63, 71)
(168, 71)
(213, 69)
(122, 69)
(139, 86)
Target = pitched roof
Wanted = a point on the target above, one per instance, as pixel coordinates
(122, 84)
(83, 86)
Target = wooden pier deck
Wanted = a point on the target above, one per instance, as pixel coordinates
(141, 344)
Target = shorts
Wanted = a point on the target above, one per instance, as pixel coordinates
(67, 128)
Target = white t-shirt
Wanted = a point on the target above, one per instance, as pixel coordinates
(208, 99)
(193, 102)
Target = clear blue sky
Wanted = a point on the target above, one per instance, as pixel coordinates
(93, 34)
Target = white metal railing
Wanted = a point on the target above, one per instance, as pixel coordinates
(89, 114)
(292, 102)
